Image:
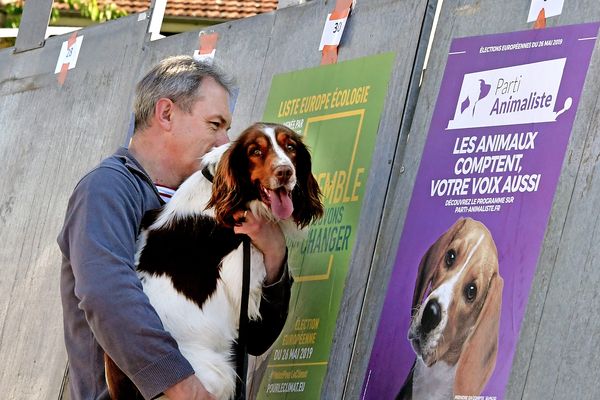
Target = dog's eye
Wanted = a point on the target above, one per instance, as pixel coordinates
(470, 292)
(291, 147)
(255, 151)
(450, 258)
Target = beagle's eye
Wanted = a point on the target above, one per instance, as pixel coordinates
(470, 292)
(450, 258)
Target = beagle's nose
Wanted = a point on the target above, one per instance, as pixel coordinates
(432, 315)
(283, 173)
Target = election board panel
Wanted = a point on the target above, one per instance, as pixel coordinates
(336, 109)
(478, 214)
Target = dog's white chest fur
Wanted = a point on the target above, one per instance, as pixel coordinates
(205, 335)
(433, 383)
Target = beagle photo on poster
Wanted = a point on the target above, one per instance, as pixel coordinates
(455, 315)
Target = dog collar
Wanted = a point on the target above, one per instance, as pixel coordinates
(207, 174)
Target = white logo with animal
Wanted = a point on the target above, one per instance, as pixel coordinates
(521, 94)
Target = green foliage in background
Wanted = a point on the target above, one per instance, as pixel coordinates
(92, 9)
(10, 13)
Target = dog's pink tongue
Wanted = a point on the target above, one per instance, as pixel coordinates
(281, 203)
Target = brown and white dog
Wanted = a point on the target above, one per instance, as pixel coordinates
(454, 329)
(266, 170)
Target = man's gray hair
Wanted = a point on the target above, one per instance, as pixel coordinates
(176, 78)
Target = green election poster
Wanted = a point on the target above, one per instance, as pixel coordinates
(336, 108)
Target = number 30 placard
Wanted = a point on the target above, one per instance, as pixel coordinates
(334, 28)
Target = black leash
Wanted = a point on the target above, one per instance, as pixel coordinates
(241, 357)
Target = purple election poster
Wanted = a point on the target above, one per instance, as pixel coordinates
(478, 213)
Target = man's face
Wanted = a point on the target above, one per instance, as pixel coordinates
(195, 133)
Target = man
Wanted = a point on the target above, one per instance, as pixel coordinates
(181, 111)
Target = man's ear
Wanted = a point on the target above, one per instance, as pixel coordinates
(163, 113)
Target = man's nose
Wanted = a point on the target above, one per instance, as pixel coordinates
(222, 138)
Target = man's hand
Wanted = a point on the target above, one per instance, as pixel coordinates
(267, 237)
(189, 389)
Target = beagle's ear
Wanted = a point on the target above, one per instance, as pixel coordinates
(427, 268)
(478, 356)
(430, 261)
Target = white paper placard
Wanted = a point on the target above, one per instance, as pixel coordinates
(332, 33)
(68, 55)
(551, 8)
(205, 58)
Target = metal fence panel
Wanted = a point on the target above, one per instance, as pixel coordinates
(51, 135)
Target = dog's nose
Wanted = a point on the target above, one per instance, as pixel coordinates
(432, 315)
(283, 173)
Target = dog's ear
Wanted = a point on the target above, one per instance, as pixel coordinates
(307, 194)
(427, 268)
(229, 182)
(478, 356)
